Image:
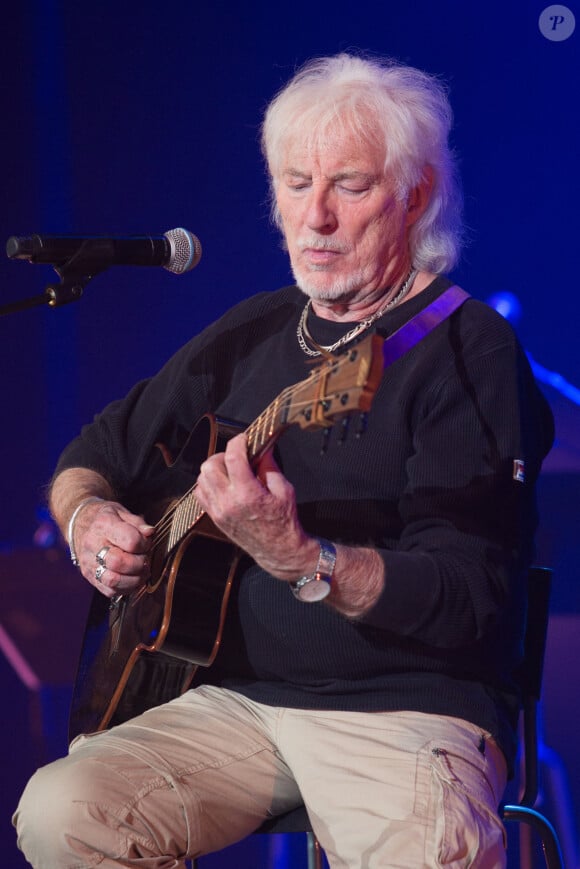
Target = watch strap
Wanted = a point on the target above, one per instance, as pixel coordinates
(323, 574)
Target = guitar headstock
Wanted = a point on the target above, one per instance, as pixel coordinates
(339, 386)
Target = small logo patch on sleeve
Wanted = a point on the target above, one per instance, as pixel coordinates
(519, 472)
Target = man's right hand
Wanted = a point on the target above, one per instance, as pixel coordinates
(120, 539)
(102, 527)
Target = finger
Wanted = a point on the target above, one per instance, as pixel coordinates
(138, 522)
(213, 470)
(267, 462)
(211, 483)
(278, 485)
(110, 581)
(238, 467)
(272, 477)
(113, 525)
(111, 584)
(123, 563)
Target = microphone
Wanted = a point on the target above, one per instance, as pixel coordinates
(178, 250)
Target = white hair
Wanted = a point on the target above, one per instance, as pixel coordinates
(404, 110)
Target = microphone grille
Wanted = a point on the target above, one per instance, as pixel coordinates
(185, 251)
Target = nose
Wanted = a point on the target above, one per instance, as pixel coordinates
(320, 215)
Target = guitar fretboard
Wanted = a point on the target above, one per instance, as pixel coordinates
(181, 517)
(308, 402)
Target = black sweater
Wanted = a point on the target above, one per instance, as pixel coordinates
(432, 484)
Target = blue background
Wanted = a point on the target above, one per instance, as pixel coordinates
(132, 118)
(124, 118)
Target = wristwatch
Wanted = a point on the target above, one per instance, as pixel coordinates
(316, 586)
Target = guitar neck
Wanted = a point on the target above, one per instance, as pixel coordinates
(333, 389)
(182, 516)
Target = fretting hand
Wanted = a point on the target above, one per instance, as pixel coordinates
(256, 509)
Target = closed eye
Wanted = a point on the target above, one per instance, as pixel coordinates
(355, 191)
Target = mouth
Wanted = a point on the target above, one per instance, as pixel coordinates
(320, 255)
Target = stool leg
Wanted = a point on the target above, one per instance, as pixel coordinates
(314, 852)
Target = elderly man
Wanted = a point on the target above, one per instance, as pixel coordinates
(373, 631)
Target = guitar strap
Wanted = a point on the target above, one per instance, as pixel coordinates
(415, 329)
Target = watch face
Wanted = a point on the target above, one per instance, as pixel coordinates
(313, 591)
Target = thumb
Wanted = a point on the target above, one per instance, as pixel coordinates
(266, 464)
(270, 475)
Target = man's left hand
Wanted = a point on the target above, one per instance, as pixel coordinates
(256, 509)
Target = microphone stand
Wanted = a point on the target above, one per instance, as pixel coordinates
(92, 258)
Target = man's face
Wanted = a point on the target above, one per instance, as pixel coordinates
(346, 232)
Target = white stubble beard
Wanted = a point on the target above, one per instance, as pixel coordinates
(341, 289)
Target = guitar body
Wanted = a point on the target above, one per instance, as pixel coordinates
(143, 650)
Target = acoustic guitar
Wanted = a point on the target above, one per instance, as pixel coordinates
(143, 649)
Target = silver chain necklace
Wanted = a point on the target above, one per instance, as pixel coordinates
(302, 329)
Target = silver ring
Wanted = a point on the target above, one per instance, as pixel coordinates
(101, 555)
(99, 572)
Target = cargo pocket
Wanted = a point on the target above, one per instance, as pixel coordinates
(468, 831)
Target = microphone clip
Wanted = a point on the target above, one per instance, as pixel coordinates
(93, 257)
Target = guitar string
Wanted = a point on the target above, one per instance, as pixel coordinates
(165, 525)
(190, 513)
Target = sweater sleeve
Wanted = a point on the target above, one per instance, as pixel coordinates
(120, 442)
(468, 508)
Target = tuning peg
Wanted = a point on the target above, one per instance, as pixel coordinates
(344, 427)
(363, 422)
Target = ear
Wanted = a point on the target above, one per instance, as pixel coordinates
(420, 196)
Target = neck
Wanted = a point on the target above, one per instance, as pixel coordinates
(361, 308)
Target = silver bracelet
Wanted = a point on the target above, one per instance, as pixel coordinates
(71, 527)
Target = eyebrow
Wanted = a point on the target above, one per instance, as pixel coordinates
(295, 173)
(351, 175)
(355, 175)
